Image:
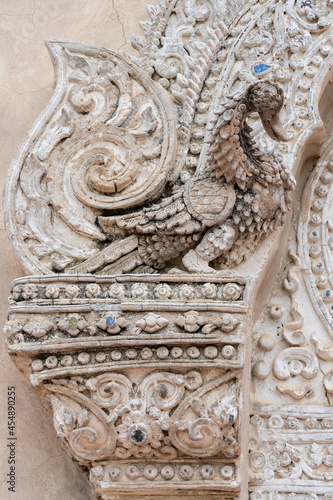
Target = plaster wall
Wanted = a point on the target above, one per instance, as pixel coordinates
(26, 86)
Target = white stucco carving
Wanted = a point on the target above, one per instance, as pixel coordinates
(167, 206)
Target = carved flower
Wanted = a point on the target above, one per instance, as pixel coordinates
(328, 461)
(51, 362)
(132, 472)
(327, 423)
(187, 292)
(113, 323)
(209, 290)
(38, 328)
(162, 352)
(210, 352)
(72, 291)
(193, 352)
(117, 290)
(232, 291)
(193, 380)
(227, 471)
(37, 365)
(150, 472)
(176, 352)
(96, 474)
(16, 292)
(191, 321)
(273, 460)
(256, 496)
(66, 361)
(93, 290)
(162, 291)
(140, 431)
(114, 473)
(151, 323)
(139, 290)
(73, 324)
(226, 322)
(52, 292)
(12, 328)
(276, 311)
(100, 357)
(146, 353)
(207, 471)
(291, 496)
(228, 351)
(292, 423)
(311, 423)
(274, 496)
(29, 291)
(167, 472)
(83, 358)
(275, 422)
(186, 471)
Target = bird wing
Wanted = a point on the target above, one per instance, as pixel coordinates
(170, 216)
(229, 132)
(208, 200)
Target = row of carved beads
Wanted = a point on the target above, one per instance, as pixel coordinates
(141, 291)
(292, 423)
(167, 472)
(273, 495)
(161, 353)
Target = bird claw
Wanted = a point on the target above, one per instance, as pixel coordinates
(196, 264)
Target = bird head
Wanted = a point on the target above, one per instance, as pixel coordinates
(266, 98)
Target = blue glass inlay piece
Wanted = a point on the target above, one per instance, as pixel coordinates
(319, 264)
(110, 321)
(328, 293)
(260, 68)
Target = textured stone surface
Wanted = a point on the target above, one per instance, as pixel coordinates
(27, 79)
(85, 360)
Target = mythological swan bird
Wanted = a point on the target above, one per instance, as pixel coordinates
(223, 213)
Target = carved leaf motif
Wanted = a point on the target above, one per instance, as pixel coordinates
(291, 331)
(61, 129)
(111, 145)
(199, 432)
(328, 461)
(199, 408)
(151, 323)
(38, 328)
(81, 425)
(64, 417)
(291, 283)
(82, 418)
(316, 455)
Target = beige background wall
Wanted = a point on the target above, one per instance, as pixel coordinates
(44, 472)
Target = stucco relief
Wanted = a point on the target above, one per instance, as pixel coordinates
(150, 197)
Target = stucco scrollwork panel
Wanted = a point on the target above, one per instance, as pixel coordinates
(148, 200)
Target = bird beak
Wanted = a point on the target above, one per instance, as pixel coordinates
(273, 126)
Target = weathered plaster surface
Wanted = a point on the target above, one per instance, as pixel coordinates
(26, 86)
(291, 271)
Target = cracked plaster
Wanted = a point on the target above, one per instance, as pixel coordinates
(26, 85)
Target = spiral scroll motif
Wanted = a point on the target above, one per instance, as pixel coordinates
(107, 141)
(97, 169)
